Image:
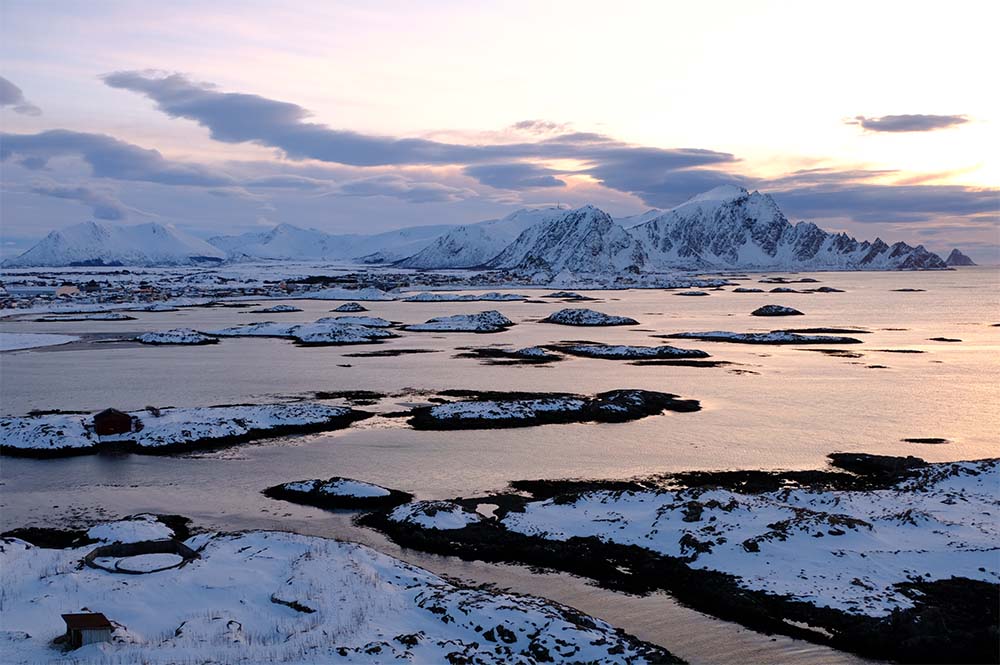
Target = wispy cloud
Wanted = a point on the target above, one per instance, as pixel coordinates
(908, 123)
(103, 203)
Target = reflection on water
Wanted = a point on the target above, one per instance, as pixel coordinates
(790, 412)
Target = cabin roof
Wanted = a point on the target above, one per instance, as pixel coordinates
(90, 620)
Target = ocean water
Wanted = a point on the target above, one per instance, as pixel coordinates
(776, 407)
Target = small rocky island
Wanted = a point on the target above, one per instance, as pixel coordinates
(181, 336)
(775, 310)
(493, 410)
(773, 337)
(587, 317)
(490, 321)
(338, 493)
(162, 431)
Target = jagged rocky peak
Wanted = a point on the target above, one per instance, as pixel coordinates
(585, 241)
(957, 258)
(729, 227)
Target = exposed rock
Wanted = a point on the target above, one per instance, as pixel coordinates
(775, 310)
(957, 259)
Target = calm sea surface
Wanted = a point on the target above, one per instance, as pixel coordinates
(776, 407)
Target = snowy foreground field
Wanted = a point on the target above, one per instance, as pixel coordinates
(278, 597)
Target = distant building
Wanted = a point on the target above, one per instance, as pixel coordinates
(84, 629)
(67, 291)
(112, 421)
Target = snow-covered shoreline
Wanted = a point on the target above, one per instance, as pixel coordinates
(264, 596)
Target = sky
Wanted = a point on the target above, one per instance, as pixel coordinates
(875, 118)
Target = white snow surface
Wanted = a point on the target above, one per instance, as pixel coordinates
(338, 487)
(246, 601)
(442, 515)
(15, 341)
(521, 409)
(173, 426)
(136, 245)
(131, 530)
(942, 524)
(488, 321)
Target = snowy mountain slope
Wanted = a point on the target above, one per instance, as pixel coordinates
(289, 242)
(473, 245)
(97, 243)
(728, 227)
(585, 240)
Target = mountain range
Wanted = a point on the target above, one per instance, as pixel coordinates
(727, 228)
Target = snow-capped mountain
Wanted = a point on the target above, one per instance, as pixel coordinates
(729, 227)
(473, 245)
(957, 258)
(287, 242)
(97, 243)
(585, 240)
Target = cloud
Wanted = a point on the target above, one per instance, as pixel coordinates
(11, 95)
(540, 127)
(519, 175)
(865, 202)
(246, 118)
(108, 158)
(908, 123)
(403, 188)
(103, 203)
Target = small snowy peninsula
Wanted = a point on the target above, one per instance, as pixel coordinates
(862, 557)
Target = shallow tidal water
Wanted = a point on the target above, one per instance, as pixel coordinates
(775, 407)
